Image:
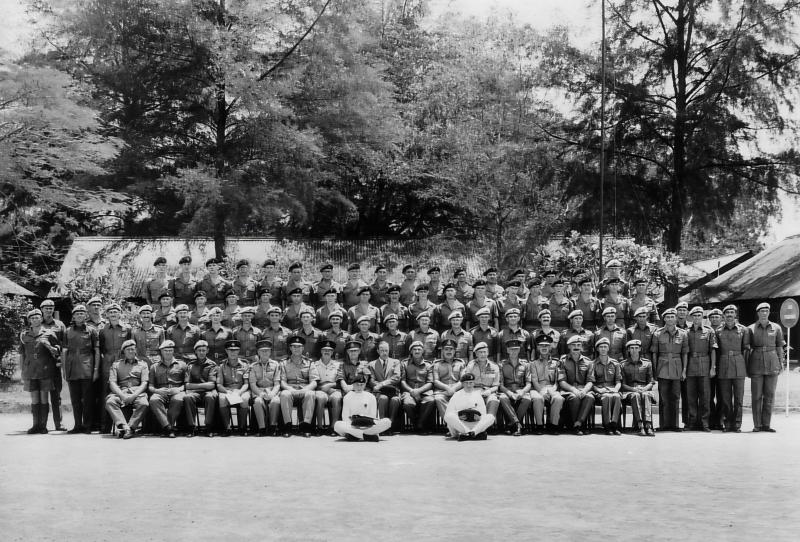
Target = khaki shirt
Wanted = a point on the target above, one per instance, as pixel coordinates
(448, 372)
(487, 376)
(764, 341)
(265, 374)
(168, 376)
(702, 342)
(513, 376)
(80, 344)
(299, 374)
(733, 343)
(129, 374)
(667, 348)
(417, 375)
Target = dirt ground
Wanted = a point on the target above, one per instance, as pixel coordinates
(692, 486)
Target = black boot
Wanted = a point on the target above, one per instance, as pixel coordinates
(35, 414)
(44, 413)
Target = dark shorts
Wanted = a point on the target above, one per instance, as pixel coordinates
(38, 384)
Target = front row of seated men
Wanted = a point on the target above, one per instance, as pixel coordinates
(274, 388)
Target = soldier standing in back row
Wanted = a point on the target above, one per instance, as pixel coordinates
(60, 330)
(670, 351)
(733, 340)
(702, 366)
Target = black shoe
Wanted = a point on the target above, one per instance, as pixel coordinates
(191, 433)
(481, 436)
(286, 433)
(75, 431)
(60, 427)
(225, 433)
(372, 438)
(768, 429)
(129, 434)
(723, 429)
(464, 436)
(677, 429)
(518, 430)
(706, 430)
(351, 438)
(210, 434)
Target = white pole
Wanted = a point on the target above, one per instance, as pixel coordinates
(788, 343)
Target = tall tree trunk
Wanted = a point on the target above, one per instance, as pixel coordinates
(220, 211)
(674, 231)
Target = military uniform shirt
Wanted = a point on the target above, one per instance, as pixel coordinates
(398, 344)
(701, 343)
(168, 376)
(246, 291)
(448, 372)
(298, 375)
(215, 291)
(644, 335)
(490, 336)
(667, 348)
(764, 341)
(369, 344)
(733, 343)
(545, 372)
(184, 339)
(216, 339)
(606, 374)
(265, 375)
(513, 376)
(327, 372)
(182, 290)
(278, 337)
(80, 343)
(464, 342)
(201, 371)
(248, 339)
(111, 339)
(417, 375)
(350, 293)
(129, 374)
(487, 376)
(147, 342)
(637, 373)
(590, 309)
(233, 377)
(576, 373)
(36, 360)
(429, 340)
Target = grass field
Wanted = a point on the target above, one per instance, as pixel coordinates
(690, 486)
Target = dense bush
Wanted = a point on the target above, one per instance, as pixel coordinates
(12, 320)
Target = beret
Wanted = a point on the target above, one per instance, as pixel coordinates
(602, 341)
(763, 306)
(614, 263)
(514, 284)
(327, 343)
(214, 310)
(353, 267)
(332, 290)
(233, 343)
(114, 306)
(295, 265)
(165, 344)
(200, 343)
(199, 293)
(479, 346)
(633, 342)
(294, 291)
(407, 267)
(544, 339)
(585, 280)
(639, 280)
(535, 282)
(143, 308)
(613, 280)
(730, 308)
(458, 270)
(512, 310)
(82, 308)
(353, 345)
(558, 282)
(467, 377)
(490, 270)
(455, 314)
(160, 260)
(296, 339)
(434, 269)
(363, 318)
(326, 267)
(185, 259)
(415, 344)
(163, 295)
(181, 307)
(336, 314)
(364, 289)
(682, 305)
(93, 300)
(242, 263)
(668, 312)
(248, 310)
(714, 312)
(483, 311)
(573, 314)
(543, 312)
(359, 379)
(516, 272)
(231, 292)
(264, 291)
(609, 310)
(33, 312)
(423, 314)
(268, 262)
(513, 343)
(696, 310)
(479, 282)
(380, 268)
(422, 287)
(550, 272)
(575, 339)
(641, 311)
(449, 286)
(306, 310)
(394, 288)
(126, 344)
(47, 303)
(388, 318)
(449, 343)
(212, 261)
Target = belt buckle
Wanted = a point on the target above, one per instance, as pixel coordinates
(731, 352)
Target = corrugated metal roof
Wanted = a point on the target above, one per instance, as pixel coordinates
(711, 265)
(9, 287)
(128, 262)
(773, 273)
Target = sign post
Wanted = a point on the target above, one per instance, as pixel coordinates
(790, 312)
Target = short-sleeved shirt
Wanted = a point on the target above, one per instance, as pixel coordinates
(702, 341)
(402, 313)
(323, 321)
(168, 376)
(441, 314)
(215, 291)
(265, 374)
(248, 339)
(183, 290)
(513, 376)
(233, 377)
(649, 304)
(311, 348)
(429, 340)
(448, 372)
(415, 309)
(545, 372)
(298, 375)
(490, 336)
(764, 341)
(279, 337)
(291, 316)
(606, 374)
(464, 342)
(327, 372)
(417, 375)
(111, 339)
(369, 344)
(80, 344)
(357, 311)
(129, 374)
(586, 337)
(487, 376)
(201, 371)
(36, 360)
(474, 306)
(338, 337)
(667, 349)
(184, 339)
(398, 343)
(507, 303)
(147, 342)
(644, 335)
(733, 342)
(576, 373)
(520, 334)
(348, 371)
(246, 291)
(216, 339)
(57, 327)
(616, 337)
(350, 293)
(591, 310)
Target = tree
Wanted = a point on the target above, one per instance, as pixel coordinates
(699, 95)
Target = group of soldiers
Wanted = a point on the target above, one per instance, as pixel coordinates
(351, 356)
